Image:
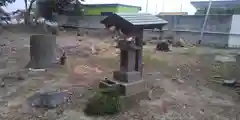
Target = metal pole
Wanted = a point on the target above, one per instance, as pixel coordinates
(181, 8)
(156, 9)
(163, 5)
(205, 21)
(147, 6)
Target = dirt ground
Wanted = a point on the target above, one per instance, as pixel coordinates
(191, 97)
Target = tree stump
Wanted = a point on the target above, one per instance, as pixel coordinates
(42, 51)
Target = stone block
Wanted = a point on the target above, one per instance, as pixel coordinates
(126, 45)
(129, 89)
(131, 93)
(127, 76)
(125, 89)
(107, 84)
(129, 102)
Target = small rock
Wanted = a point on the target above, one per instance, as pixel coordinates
(185, 106)
(13, 49)
(2, 44)
(163, 46)
(202, 111)
(2, 85)
(14, 104)
(80, 34)
(144, 43)
(20, 77)
(178, 80)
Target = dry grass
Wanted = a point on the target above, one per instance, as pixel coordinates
(193, 65)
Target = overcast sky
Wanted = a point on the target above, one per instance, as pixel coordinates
(154, 6)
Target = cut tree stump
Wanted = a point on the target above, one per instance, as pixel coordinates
(42, 51)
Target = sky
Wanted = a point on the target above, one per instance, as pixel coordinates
(154, 6)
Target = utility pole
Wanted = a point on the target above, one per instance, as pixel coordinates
(163, 5)
(181, 8)
(147, 6)
(156, 9)
(205, 21)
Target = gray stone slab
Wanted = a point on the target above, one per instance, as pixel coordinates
(48, 99)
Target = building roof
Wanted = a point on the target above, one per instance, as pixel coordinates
(110, 5)
(216, 4)
(141, 18)
(172, 13)
(127, 21)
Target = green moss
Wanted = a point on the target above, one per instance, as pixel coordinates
(104, 102)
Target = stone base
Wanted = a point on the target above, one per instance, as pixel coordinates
(129, 102)
(127, 76)
(125, 89)
(129, 89)
(108, 84)
(131, 93)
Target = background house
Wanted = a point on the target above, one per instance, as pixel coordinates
(218, 6)
(94, 13)
(106, 9)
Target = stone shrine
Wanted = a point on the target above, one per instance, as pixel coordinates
(128, 80)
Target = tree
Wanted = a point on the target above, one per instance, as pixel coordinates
(4, 15)
(28, 10)
(46, 8)
(6, 2)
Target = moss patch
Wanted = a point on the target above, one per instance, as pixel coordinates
(104, 102)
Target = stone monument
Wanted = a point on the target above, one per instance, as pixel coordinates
(128, 80)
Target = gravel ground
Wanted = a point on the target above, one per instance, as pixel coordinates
(179, 81)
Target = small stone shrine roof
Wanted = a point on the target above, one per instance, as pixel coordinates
(139, 20)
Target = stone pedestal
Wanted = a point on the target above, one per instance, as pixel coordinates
(127, 76)
(124, 88)
(128, 80)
